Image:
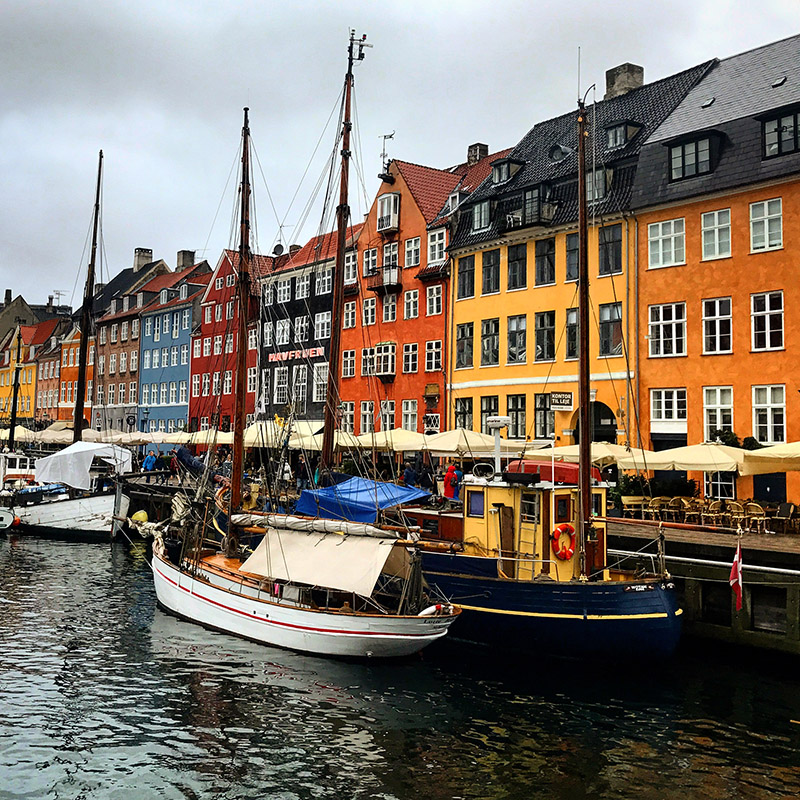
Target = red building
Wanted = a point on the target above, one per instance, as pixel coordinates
(394, 332)
(213, 358)
(68, 384)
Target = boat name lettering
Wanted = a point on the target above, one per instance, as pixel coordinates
(290, 354)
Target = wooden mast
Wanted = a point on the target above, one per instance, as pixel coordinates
(584, 416)
(86, 316)
(243, 294)
(342, 217)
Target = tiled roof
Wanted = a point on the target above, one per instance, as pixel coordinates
(741, 87)
(260, 266)
(430, 187)
(165, 281)
(38, 334)
(646, 108)
(472, 176)
(320, 248)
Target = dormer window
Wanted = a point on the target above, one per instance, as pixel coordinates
(164, 296)
(140, 299)
(500, 172)
(125, 301)
(453, 201)
(184, 292)
(113, 307)
(689, 159)
(596, 185)
(781, 134)
(480, 216)
(616, 136)
(388, 212)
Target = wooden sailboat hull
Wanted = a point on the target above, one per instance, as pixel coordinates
(224, 606)
(91, 516)
(571, 619)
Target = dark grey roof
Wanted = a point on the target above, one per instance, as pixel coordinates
(646, 107)
(741, 87)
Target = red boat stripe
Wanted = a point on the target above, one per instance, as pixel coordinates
(283, 624)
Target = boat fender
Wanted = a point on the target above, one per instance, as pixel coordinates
(16, 523)
(563, 551)
(437, 609)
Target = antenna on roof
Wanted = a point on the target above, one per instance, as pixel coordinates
(385, 176)
(57, 295)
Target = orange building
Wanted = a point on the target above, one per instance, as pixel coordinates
(68, 389)
(718, 189)
(394, 358)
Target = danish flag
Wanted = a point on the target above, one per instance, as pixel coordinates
(736, 576)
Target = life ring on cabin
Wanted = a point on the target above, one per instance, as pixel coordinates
(564, 552)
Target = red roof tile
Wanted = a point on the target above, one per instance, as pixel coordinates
(38, 334)
(321, 248)
(430, 187)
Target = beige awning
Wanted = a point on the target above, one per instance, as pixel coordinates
(603, 454)
(330, 560)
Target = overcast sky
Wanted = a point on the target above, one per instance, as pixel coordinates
(159, 86)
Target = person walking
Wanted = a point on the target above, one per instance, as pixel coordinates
(149, 464)
(450, 482)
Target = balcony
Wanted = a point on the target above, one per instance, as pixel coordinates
(524, 211)
(388, 222)
(388, 212)
(388, 280)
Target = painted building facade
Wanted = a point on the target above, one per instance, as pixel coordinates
(214, 343)
(718, 214)
(296, 323)
(165, 343)
(68, 381)
(514, 333)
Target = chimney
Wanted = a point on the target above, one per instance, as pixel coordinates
(50, 302)
(621, 79)
(293, 248)
(98, 287)
(475, 152)
(185, 259)
(141, 256)
(7, 301)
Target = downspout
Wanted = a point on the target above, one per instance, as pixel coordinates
(635, 324)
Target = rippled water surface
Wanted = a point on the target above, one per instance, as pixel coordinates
(104, 696)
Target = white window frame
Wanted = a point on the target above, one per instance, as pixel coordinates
(717, 405)
(666, 242)
(433, 355)
(480, 216)
(348, 363)
(411, 304)
(713, 323)
(766, 225)
(436, 246)
(769, 413)
(389, 307)
(433, 300)
(322, 325)
(410, 358)
(302, 287)
(320, 387)
(367, 420)
(773, 320)
(716, 234)
(349, 320)
(370, 262)
(324, 281)
(368, 311)
(667, 334)
(412, 248)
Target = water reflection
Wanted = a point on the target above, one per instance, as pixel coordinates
(103, 695)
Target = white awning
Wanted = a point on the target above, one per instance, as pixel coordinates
(72, 464)
(331, 560)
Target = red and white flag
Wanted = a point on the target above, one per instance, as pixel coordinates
(736, 576)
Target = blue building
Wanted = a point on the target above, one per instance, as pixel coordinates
(166, 334)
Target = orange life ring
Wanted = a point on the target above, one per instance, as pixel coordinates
(563, 552)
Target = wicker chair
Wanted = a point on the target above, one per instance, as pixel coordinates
(737, 517)
(674, 509)
(694, 509)
(713, 514)
(654, 509)
(755, 517)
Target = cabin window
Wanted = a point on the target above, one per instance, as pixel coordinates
(563, 509)
(475, 504)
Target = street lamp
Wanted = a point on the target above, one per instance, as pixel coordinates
(145, 415)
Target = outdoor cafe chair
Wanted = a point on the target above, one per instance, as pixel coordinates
(755, 517)
(713, 514)
(737, 518)
(783, 518)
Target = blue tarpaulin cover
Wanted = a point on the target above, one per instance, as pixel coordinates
(356, 499)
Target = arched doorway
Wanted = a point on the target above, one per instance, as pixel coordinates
(604, 424)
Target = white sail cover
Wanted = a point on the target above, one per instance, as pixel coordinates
(330, 560)
(72, 464)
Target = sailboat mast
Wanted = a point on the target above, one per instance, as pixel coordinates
(584, 417)
(86, 315)
(342, 216)
(243, 293)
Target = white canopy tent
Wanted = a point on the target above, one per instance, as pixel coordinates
(72, 464)
(330, 560)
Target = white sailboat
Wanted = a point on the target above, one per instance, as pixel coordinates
(68, 499)
(326, 587)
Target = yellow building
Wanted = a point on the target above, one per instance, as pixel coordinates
(20, 346)
(514, 299)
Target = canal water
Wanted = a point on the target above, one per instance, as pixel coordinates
(104, 696)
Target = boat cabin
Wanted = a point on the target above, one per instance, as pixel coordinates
(525, 520)
(16, 470)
